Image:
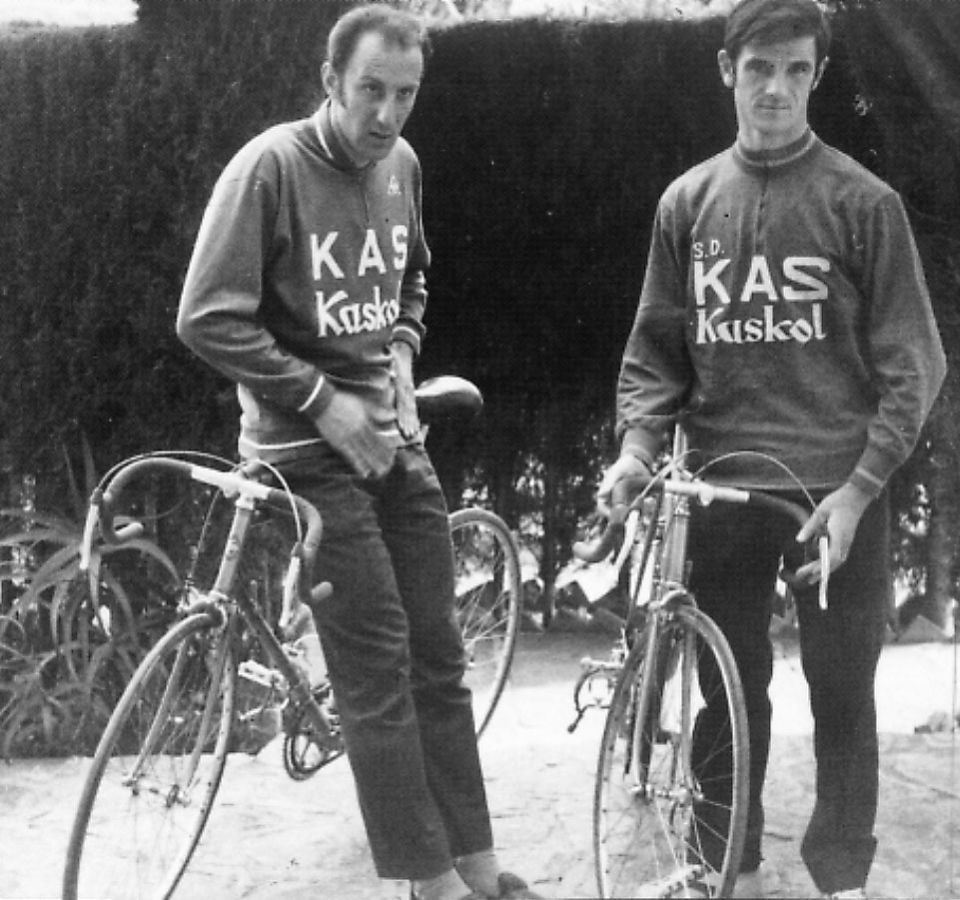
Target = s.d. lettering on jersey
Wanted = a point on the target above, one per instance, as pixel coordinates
(772, 301)
(343, 274)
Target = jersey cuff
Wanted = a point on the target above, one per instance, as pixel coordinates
(319, 399)
(866, 482)
(408, 336)
(641, 444)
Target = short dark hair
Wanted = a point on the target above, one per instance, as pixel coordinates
(395, 25)
(771, 21)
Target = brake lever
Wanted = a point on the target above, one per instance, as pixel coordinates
(804, 554)
(823, 546)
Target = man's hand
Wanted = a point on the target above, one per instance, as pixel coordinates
(344, 425)
(627, 466)
(407, 419)
(839, 513)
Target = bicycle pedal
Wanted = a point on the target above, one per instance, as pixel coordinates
(684, 882)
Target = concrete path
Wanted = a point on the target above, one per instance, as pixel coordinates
(270, 838)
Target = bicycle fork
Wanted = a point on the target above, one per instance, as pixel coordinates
(179, 793)
(665, 710)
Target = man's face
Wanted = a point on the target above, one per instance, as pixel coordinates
(771, 88)
(373, 96)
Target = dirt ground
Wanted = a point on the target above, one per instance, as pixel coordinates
(270, 838)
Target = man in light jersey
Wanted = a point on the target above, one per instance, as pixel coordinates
(784, 311)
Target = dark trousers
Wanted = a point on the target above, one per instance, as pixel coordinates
(396, 662)
(735, 555)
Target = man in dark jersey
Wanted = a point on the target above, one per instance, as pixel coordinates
(306, 287)
(784, 312)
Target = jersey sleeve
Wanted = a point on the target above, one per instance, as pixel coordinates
(656, 372)
(906, 352)
(409, 326)
(219, 317)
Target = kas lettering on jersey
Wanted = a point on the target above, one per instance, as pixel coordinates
(755, 312)
(337, 311)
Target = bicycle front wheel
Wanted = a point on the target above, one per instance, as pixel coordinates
(487, 585)
(156, 770)
(670, 803)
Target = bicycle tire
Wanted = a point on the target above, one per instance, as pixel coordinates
(157, 769)
(658, 832)
(488, 603)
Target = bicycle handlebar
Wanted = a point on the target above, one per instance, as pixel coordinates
(621, 501)
(233, 483)
(628, 491)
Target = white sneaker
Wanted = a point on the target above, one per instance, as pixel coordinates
(849, 894)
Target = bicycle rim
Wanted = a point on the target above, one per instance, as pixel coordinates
(670, 803)
(487, 586)
(156, 770)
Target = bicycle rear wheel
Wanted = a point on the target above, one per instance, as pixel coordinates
(670, 803)
(487, 584)
(156, 770)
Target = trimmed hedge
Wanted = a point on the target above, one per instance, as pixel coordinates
(111, 141)
(545, 145)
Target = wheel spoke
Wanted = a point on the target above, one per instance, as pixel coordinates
(488, 595)
(156, 771)
(667, 821)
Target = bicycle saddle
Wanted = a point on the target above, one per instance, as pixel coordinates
(446, 394)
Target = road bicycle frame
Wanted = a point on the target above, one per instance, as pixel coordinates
(667, 498)
(222, 601)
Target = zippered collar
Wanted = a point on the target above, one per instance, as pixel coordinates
(779, 158)
(332, 146)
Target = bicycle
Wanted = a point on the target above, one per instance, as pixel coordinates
(669, 810)
(158, 766)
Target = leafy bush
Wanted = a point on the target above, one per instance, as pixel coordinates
(72, 635)
(70, 639)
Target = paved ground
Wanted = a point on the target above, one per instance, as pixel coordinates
(274, 839)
